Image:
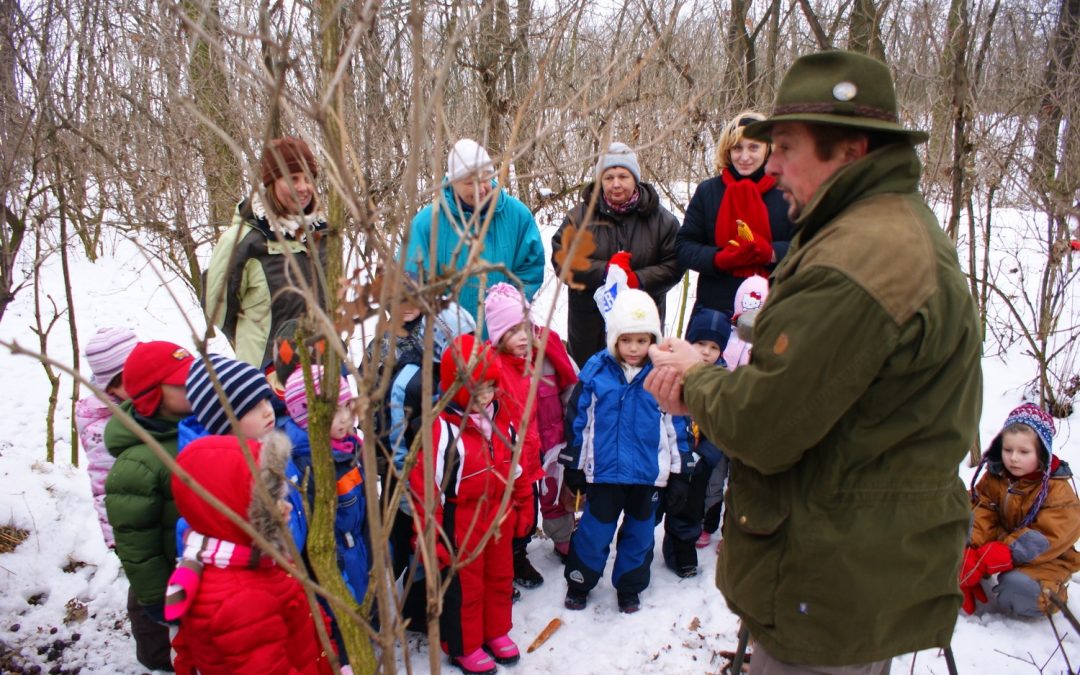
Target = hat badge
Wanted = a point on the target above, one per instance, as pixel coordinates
(844, 91)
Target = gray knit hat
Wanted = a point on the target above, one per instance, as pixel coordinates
(619, 154)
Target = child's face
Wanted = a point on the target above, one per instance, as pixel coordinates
(409, 312)
(633, 348)
(1020, 452)
(343, 422)
(174, 401)
(516, 340)
(258, 421)
(483, 396)
(709, 350)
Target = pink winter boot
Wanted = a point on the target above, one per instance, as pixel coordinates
(476, 663)
(504, 650)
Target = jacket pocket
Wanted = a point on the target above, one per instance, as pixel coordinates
(755, 538)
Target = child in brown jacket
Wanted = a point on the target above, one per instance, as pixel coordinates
(1026, 519)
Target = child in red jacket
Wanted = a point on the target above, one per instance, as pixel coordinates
(517, 341)
(471, 464)
(239, 611)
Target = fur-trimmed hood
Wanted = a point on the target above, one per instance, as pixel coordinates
(219, 464)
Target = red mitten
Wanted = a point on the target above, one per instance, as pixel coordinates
(995, 557)
(734, 256)
(970, 574)
(1075, 244)
(622, 260)
(524, 508)
(971, 594)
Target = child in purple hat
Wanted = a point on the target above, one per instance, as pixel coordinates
(106, 353)
(1026, 519)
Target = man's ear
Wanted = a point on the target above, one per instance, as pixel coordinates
(855, 148)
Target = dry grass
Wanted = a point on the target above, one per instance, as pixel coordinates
(11, 537)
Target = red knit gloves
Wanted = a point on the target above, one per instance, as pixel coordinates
(991, 558)
(622, 260)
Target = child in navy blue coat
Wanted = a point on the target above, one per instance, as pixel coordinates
(708, 331)
(621, 450)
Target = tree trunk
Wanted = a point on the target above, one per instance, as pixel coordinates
(864, 30)
(213, 99)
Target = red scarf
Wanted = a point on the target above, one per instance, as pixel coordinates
(742, 201)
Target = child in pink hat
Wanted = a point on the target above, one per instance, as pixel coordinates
(517, 341)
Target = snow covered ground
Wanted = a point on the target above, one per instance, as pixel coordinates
(62, 594)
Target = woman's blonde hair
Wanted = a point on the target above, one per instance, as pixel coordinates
(732, 134)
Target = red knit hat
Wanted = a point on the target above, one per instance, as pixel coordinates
(284, 156)
(467, 349)
(150, 365)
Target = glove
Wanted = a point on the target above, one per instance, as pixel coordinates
(1075, 244)
(524, 509)
(677, 492)
(991, 558)
(743, 254)
(971, 594)
(574, 480)
(622, 261)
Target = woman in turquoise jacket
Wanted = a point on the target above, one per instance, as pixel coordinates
(469, 199)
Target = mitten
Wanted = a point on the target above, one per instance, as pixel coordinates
(746, 254)
(971, 594)
(677, 492)
(622, 260)
(524, 509)
(574, 480)
(995, 557)
(1075, 244)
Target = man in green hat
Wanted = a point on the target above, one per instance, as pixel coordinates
(846, 517)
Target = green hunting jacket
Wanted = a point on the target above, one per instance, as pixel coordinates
(846, 517)
(139, 504)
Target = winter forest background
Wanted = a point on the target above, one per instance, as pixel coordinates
(142, 121)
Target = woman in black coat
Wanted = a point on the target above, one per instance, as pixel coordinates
(631, 230)
(736, 224)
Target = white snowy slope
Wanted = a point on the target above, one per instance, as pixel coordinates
(63, 565)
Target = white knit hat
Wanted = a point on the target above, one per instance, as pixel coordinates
(632, 312)
(467, 158)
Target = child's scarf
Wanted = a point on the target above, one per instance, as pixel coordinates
(199, 551)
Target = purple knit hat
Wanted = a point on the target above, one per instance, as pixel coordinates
(106, 353)
(296, 394)
(1039, 421)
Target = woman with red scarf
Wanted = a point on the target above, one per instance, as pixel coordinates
(736, 225)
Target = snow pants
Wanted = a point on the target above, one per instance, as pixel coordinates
(476, 607)
(682, 529)
(591, 543)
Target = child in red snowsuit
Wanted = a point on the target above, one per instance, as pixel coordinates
(471, 455)
(517, 341)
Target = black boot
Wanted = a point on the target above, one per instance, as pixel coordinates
(628, 602)
(525, 575)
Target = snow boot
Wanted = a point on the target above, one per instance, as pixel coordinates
(703, 540)
(576, 600)
(629, 602)
(477, 663)
(525, 575)
(503, 650)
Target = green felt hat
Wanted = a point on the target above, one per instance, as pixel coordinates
(838, 88)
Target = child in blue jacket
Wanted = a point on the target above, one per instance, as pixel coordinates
(621, 450)
(350, 517)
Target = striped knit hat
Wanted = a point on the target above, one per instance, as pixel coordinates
(106, 353)
(1039, 421)
(296, 394)
(243, 385)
